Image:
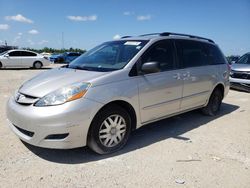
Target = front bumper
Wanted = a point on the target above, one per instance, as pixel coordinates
(40, 126)
(240, 84)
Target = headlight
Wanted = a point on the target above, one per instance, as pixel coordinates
(63, 95)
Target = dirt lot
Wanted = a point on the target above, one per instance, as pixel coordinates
(190, 150)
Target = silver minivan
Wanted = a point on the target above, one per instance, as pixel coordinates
(117, 87)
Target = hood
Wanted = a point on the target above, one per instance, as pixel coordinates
(54, 79)
(240, 67)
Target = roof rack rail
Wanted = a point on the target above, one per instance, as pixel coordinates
(125, 37)
(185, 35)
(144, 35)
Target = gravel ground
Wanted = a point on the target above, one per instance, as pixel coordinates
(189, 150)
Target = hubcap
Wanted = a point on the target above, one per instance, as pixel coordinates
(112, 130)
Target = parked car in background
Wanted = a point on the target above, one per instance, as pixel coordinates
(54, 57)
(117, 87)
(46, 55)
(66, 57)
(22, 58)
(232, 59)
(240, 73)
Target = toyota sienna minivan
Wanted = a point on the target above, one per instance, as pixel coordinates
(117, 87)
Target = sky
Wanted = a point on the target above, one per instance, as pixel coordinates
(87, 23)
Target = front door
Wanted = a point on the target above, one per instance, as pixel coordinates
(13, 59)
(160, 93)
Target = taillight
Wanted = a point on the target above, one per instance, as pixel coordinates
(45, 57)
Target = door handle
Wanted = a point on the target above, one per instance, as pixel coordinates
(177, 76)
(187, 74)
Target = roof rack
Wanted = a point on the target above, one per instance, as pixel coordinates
(144, 35)
(170, 33)
(125, 37)
(185, 35)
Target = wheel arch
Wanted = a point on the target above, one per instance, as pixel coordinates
(221, 87)
(126, 106)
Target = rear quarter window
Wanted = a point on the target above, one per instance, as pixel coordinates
(214, 55)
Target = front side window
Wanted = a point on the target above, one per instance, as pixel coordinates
(191, 53)
(108, 56)
(15, 54)
(161, 52)
(245, 59)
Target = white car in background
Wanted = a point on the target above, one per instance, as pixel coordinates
(22, 58)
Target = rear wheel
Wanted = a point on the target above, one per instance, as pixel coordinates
(1, 65)
(109, 130)
(213, 106)
(37, 65)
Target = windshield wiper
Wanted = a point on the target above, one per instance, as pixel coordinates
(79, 67)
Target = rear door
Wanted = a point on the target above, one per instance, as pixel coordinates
(28, 58)
(159, 93)
(198, 76)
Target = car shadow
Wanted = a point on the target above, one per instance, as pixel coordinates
(172, 127)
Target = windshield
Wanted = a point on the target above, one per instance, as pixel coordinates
(245, 59)
(3, 53)
(108, 56)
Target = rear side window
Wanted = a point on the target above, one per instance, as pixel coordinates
(161, 52)
(191, 53)
(28, 54)
(15, 54)
(214, 55)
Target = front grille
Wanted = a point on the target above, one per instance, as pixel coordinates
(240, 75)
(27, 133)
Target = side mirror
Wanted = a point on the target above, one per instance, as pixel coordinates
(150, 67)
(6, 55)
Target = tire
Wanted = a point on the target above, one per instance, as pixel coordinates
(1, 65)
(214, 103)
(105, 138)
(37, 65)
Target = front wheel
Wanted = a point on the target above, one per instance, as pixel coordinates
(109, 130)
(213, 106)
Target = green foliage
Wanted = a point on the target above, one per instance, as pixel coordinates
(57, 51)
